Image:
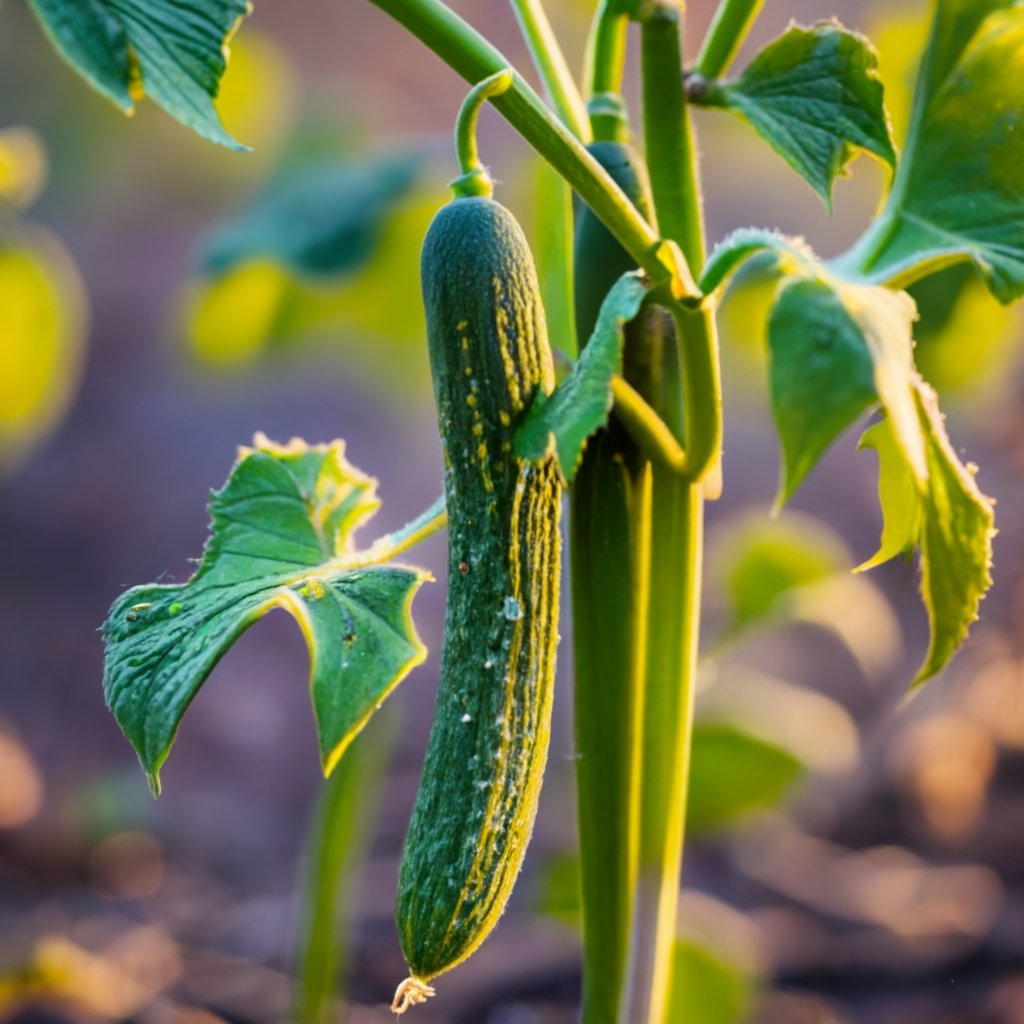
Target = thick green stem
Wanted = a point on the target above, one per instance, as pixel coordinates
(472, 56)
(552, 67)
(671, 157)
(729, 28)
(605, 66)
(690, 401)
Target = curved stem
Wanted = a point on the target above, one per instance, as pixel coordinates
(552, 66)
(729, 28)
(474, 180)
(646, 427)
(473, 57)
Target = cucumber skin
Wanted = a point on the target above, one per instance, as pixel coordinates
(488, 745)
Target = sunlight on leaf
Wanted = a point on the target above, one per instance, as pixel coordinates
(959, 192)
(282, 537)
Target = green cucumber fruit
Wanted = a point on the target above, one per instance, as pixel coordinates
(478, 795)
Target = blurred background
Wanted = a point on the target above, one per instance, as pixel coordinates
(853, 859)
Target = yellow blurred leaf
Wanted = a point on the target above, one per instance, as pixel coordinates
(230, 320)
(42, 337)
(23, 167)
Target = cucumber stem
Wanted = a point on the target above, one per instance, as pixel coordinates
(470, 54)
(729, 28)
(474, 180)
(650, 432)
(551, 65)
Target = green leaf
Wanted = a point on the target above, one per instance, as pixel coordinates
(959, 192)
(758, 564)
(321, 221)
(282, 537)
(580, 404)
(821, 375)
(174, 51)
(708, 988)
(814, 95)
(956, 542)
(947, 519)
(792, 254)
(734, 774)
(897, 493)
(837, 347)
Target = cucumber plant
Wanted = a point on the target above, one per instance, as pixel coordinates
(634, 431)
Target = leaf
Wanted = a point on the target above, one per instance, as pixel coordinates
(821, 376)
(959, 192)
(42, 339)
(282, 537)
(707, 987)
(793, 255)
(320, 221)
(956, 543)
(837, 347)
(580, 404)
(814, 95)
(734, 774)
(758, 564)
(23, 168)
(897, 493)
(174, 51)
(949, 522)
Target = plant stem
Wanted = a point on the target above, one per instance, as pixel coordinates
(552, 67)
(729, 28)
(472, 56)
(689, 401)
(604, 67)
(646, 427)
(336, 841)
(474, 180)
(671, 157)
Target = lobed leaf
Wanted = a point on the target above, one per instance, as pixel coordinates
(282, 537)
(959, 193)
(174, 51)
(581, 403)
(814, 96)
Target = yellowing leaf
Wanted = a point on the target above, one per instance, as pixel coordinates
(282, 537)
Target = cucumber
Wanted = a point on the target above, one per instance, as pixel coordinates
(488, 745)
